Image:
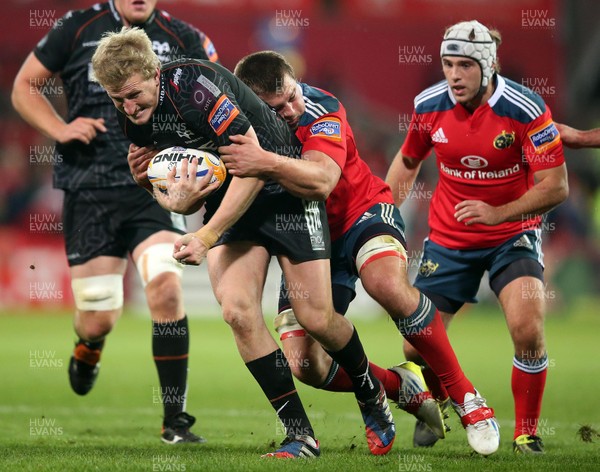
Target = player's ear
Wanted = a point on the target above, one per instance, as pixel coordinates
(157, 76)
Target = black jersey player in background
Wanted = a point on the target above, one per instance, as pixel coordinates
(105, 215)
(206, 105)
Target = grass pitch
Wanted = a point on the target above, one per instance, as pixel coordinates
(46, 427)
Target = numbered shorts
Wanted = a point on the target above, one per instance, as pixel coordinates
(112, 221)
(286, 226)
(380, 219)
(451, 277)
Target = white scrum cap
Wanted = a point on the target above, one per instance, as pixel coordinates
(471, 39)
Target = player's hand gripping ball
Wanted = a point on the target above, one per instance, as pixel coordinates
(165, 160)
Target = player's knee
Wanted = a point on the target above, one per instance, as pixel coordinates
(380, 287)
(239, 321)
(95, 325)
(95, 332)
(164, 296)
(397, 298)
(316, 323)
(99, 293)
(239, 315)
(527, 333)
(529, 345)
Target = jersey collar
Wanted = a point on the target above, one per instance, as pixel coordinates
(500, 86)
(118, 19)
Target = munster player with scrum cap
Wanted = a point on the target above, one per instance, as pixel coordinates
(501, 167)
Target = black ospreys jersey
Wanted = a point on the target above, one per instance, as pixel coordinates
(67, 50)
(200, 105)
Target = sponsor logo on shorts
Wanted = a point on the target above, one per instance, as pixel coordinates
(73, 256)
(504, 140)
(330, 128)
(523, 241)
(428, 267)
(222, 114)
(544, 137)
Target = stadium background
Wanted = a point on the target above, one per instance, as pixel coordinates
(376, 55)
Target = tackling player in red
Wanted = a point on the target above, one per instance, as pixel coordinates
(368, 241)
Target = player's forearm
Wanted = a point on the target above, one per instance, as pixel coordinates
(236, 201)
(35, 108)
(576, 138)
(539, 199)
(590, 138)
(301, 177)
(401, 178)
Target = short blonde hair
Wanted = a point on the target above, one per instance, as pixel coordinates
(123, 54)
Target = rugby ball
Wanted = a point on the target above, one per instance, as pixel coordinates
(161, 164)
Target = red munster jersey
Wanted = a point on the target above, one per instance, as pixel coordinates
(489, 155)
(323, 127)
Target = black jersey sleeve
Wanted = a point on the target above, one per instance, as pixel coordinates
(195, 43)
(198, 45)
(54, 49)
(232, 96)
(211, 107)
(209, 47)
